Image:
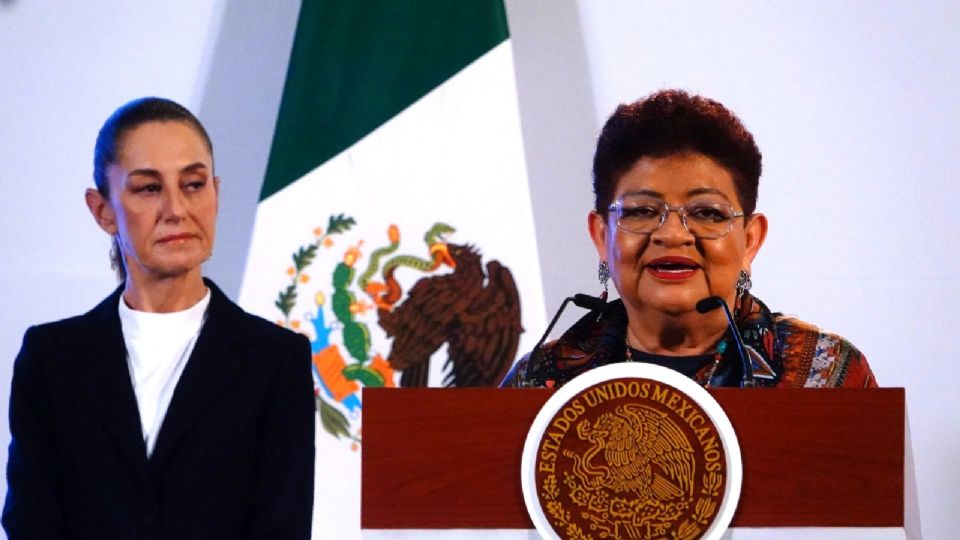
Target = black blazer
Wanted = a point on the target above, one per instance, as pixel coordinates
(233, 459)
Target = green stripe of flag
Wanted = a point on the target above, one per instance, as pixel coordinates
(357, 63)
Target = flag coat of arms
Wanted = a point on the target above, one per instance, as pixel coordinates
(394, 227)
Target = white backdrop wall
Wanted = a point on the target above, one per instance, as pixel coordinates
(854, 106)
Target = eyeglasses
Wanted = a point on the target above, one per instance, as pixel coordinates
(642, 214)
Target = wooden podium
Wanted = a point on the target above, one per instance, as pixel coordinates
(440, 459)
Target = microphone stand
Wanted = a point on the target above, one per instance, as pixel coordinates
(713, 302)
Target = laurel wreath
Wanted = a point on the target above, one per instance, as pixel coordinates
(332, 420)
(561, 516)
(303, 258)
(704, 508)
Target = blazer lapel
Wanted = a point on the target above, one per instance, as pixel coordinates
(211, 370)
(101, 368)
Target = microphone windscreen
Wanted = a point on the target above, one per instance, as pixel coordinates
(586, 301)
(709, 304)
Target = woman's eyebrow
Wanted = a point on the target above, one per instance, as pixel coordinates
(146, 171)
(707, 191)
(154, 173)
(193, 167)
(648, 192)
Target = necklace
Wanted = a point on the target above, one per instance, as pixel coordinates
(717, 356)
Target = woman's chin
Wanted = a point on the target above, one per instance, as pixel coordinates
(673, 305)
(171, 269)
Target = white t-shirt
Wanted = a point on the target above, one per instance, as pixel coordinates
(158, 347)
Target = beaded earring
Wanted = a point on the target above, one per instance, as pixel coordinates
(743, 287)
(743, 284)
(603, 274)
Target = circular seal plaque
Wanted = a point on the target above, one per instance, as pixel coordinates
(631, 451)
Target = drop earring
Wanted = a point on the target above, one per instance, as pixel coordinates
(743, 284)
(603, 274)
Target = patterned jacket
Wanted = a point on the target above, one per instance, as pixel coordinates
(784, 351)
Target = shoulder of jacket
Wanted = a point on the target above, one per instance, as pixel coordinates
(826, 359)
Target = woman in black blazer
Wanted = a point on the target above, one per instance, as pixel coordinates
(232, 453)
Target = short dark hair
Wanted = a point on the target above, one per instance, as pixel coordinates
(670, 122)
(129, 117)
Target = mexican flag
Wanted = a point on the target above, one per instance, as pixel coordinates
(394, 227)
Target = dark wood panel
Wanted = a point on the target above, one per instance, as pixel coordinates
(450, 458)
(829, 458)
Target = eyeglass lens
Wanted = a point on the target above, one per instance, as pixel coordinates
(704, 219)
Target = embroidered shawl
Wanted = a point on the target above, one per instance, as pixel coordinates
(784, 352)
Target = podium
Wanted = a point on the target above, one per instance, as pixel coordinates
(815, 462)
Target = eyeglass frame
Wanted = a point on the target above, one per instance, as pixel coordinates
(617, 206)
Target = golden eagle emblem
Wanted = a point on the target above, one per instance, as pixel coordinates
(630, 458)
(644, 454)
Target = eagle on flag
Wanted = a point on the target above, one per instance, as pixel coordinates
(475, 312)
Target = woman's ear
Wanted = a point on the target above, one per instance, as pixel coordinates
(101, 211)
(755, 234)
(597, 226)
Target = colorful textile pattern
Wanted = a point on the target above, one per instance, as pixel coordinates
(816, 359)
(784, 352)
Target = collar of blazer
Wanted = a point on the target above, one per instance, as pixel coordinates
(98, 359)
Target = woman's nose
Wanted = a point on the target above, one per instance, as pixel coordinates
(173, 204)
(672, 229)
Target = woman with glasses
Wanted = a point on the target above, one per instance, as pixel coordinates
(675, 180)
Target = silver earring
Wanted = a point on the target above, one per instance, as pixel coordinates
(743, 283)
(603, 274)
(116, 259)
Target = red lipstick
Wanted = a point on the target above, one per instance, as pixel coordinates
(672, 268)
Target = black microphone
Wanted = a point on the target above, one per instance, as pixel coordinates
(593, 303)
(713, 302)
(585, 301)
